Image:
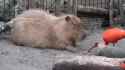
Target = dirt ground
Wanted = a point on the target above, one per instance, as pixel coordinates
(25, 58)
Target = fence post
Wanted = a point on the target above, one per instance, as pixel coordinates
(4, 8)
(75, 8)
(56, 7)
(111, 12)
(121, 9)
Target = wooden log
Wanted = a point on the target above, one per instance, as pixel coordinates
(95, 10)
(92, 9)
(87, 62)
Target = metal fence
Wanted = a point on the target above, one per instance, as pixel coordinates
(11, 8)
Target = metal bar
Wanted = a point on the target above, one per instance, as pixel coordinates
(27, 6)
(46, 5)
(81, 2)
(14, 9)
(75, 3)
(25, 3)
(89, 3)
(121, 8)
(101, 3)
(55, 10)
(85, 3)
(111, 11)
(40, 4)
(97, 3)
(9, 9)
(93, 3)
(4, 8)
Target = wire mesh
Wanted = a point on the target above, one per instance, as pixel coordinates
(11, 8)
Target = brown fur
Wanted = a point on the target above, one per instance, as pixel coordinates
(37, 28)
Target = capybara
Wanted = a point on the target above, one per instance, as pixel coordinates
(37, 28)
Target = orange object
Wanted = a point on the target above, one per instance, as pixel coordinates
(112, 35)
(122, 66)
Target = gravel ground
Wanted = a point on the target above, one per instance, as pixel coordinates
(25, 58)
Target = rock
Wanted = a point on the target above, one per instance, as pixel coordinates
(114, 52)
(4, 30)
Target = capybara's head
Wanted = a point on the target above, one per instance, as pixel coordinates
(70, 27)
(70, 22)
(73, 21)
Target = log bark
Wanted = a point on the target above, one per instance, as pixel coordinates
(92, 9)
(87, 62)
(95, 10)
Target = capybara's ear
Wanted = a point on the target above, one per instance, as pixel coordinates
(67, 18)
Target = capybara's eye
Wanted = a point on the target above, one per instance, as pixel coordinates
(68, 18)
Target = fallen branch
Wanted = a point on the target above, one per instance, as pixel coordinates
(86, 62)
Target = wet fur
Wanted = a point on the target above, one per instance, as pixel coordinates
(37, 28)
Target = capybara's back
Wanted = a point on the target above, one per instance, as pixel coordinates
(37, 28)
(32, 14)
(31, 28)
(29, 34)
